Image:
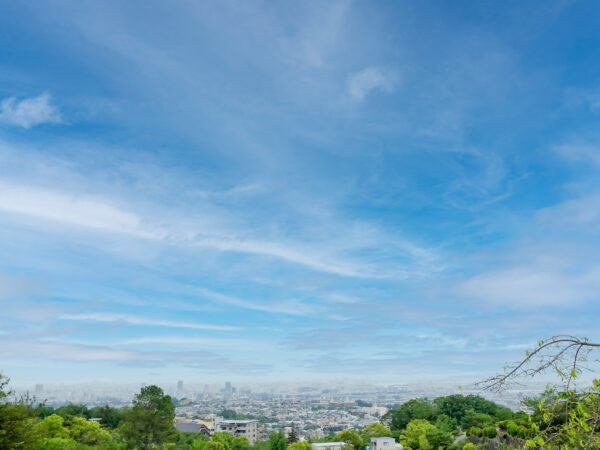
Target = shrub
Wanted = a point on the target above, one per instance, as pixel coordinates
(512, 428)
(475, 431)
(490, 431)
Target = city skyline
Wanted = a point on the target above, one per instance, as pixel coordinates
(254, 191)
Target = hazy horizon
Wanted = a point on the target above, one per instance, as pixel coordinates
(244, 191)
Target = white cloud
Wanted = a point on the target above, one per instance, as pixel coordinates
(587, 154)
(581, 213)
(360, 84)
(70, 209)
(290, 307)
(29, 112)
(197, 342)
(182, 340)
(134, 320)
(533, 285)
(100, 215)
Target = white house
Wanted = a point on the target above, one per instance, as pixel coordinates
(384, 443)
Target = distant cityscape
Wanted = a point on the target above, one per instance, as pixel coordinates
(313, 410)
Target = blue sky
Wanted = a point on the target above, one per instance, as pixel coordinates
(295, 190)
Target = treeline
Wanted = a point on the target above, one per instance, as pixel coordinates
(558, 420)
(148, 423)
(451, 422)
(230, 414)
(454, 422)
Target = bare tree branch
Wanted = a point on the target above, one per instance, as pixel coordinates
(561, 353)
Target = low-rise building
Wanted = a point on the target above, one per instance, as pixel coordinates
(384, 443)
(193, 427)
(329, 446)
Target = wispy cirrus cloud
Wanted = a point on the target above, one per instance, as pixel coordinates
(103, 215)
(29, 112)
(70, 208)
(533, 285)
(579, 152)
(59, 350)
(125, 319)
(361, 84)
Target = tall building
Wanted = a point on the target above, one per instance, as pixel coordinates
(39, 388)
(179, 387)
(228, 387)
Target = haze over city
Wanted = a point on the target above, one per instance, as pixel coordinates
(294, 192)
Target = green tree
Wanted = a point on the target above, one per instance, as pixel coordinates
(350, 437)
(70, 411)
(293, 437)
(456, 406)
(198, 444)
(374, 430)
(186, 439)
(240, 443)
(446, 423)
(490, 431)
(14, 417)
(49, 433)
(50, 427)
(438, 438)
(111, 417)
(224, 438)
(415, 435)
(150, 420)
(277, 441)
(475, 431)
(43, 411)
(399, 418)
(90, 433)
(262, 445)
(58, 444)
(213, 445)
(299, 445)
(230, 414)
(567, 419)
(475, 419)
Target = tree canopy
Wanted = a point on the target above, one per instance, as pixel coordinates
(150, 420)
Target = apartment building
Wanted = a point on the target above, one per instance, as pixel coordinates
(247, 428)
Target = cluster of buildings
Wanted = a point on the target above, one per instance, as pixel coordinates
(251, 430)
(313, 413)
(246, 428)
(268, 400)
(310, 417)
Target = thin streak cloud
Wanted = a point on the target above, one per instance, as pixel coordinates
(122, 319)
